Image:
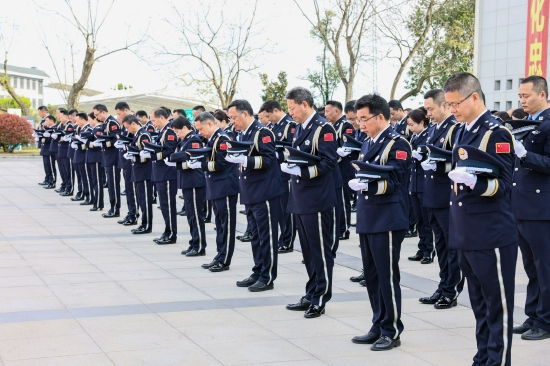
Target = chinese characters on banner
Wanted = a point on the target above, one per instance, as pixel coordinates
(537, 38)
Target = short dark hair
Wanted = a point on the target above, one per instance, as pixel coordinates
(181, 122)
(463, 83)
(73, 111)
(141, 113)
(502, 115)
(220, 115)
(437, 95)
(91, 115)
(270, 105)
(167, 110)
(100, 108)
(539, 84)
(350, 106)
(335, 104)
(160, 112)
(83, 116)
(51, 118)
(199, 108)
(179, 111)
(300, 94)
(129, 119)
(395, 105)
(64, 111)
(204, 117)
(121, 106)
(419, 116)
(43, 108)
(241, 105)
(519, 113)
(375, 103)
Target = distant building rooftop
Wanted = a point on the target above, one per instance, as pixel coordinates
(27, 70)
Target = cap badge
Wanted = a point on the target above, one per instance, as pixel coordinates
(463, 154)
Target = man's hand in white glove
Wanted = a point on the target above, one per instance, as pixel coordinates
(46, 134)
(119, 145)
(169, 163)
(55, 136)
(128, 156)
(80, 139)
(342, 151)
(195, 165)
(460, 176)
(428, 166)
(97, 144)
(294, 170)
(357, 186)
(74, 145)
(418, 156)
(145, 154)
(36, 139)
(239, 159)
(66, 138)
(519, 149)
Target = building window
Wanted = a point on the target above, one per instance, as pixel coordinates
(40, 87)
(14, 82)
(33, 84)
(21, 83)
(29, 84)
(508, 105)
(497, 84)
(40, 102)
(509, 84)
(497, 106)
(34, 103)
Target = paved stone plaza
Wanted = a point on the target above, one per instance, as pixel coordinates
(78, 289)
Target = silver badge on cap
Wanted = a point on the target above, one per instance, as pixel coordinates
(307, 142)
(442, 140)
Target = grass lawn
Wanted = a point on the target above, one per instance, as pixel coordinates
(23, 152)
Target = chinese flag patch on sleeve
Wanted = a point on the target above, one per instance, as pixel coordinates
(145, 140)
(223, 146)
(266, 139)
(328, 137)
(195, 145)
(349, 130)
(114, 127)
(503, 147)
(292, 130)
(401, 155)
(170, 137)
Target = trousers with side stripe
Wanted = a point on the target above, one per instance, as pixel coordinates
(194, 199)
(113, 186)
(380, 253)
(64, 172)
(144, 195)
(225, 216)
(345, 210)
(167, 192)
(490, 276)
(130, 192)
(316, 233)
(79, 178)
(96, 184)
(338, 211)
(263, 220)
(425, 234)
(287, 222)
(85, 179)
(49, 168)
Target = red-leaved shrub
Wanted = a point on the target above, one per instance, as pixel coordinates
(14, 131)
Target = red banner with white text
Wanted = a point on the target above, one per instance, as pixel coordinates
(536, 56)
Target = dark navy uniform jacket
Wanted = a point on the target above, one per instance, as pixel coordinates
(261, 179)
(54, 144)
(360, 135)
(169, 140)
(315, 189)
(46, 143)
(94, 154)
(110, 153)
(436, 183)
(402, 128)
(284, 131)
(149, 127)
(383, 206)
(416, 184)
(343, 127)
(488, 204)
(141, 167)
(531, 187)
(64, 146)
(41, 127)
(124, 163)
(80, 152)
(221, 176)
(230, 133)
(190, 178)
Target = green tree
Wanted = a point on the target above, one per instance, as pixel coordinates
(275, 90)
(121, 86)
(324, 82)
(9, 102)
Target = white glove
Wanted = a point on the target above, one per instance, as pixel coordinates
(80, 139)
(459, 175)
(418, 156)
(195, 165)
(97, 144)
(55, 136)
(239, 159)
(66, 138)
(119, 144)
(519, 149)
(428, 166)
(46, 134)
(294, 170)
(74, 145)
(342, 151)
(36, 139)
(145, 154)
(169, 163)
(276, 154)
(34, 135)
(357, 186)
(127, 156)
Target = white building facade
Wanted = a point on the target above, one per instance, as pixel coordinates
(27, 82)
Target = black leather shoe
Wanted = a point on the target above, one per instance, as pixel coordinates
(123, 220)
(368, 338)
(314, 311)
(207, 265)
(167, 240)
(246, 237)
(411, 234)
(50, 186)
(242, 212)
(59, 190)
(181, 213)
(140, 230)
(96, 209)
(130, 221)
(207, 220)
(194, 253)
(162, 237)
(301, 305)
(219, 267)
(445, 303)
(535, 334)
(249, 281)
(426, 260)
(284, 249)
(353, 225)
(86, 203)
(359, 278)
(77, 198)
(345, 235)
(66, 194)
(44, 183)
(185, 251)
(521, 328)
(363, 283)
(123, 193)
(260, 286)
(385, 343)
(105, 185)
(430, 299)
(417, 257)
(154, 200)
(110, 214)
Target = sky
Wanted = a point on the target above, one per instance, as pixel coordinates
(284, 34)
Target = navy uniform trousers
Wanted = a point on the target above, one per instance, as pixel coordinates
(113, 186)
(263, 221)
(380, 253)
(76, 171)
(287, 222)
(338, 213)
(494, 320)
(535, 251)
(316, 233)
(345, 211)
(167, 191)
(144, 195)
(82, 170)
(130, 192)
(451, 281)
(194, 199)
(96, 184)
(65, 172)
(425, 234)
(49, 168)
(225, 216)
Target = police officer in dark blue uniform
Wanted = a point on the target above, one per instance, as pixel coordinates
(71, 153)
(64, 128)
(382, 218)
(436, 200)
(48, 156)
(314, 217)
(222, 188)
(38, 135)
(530, 197)
(94, 161)
(111, 127)
(80, 156)
(261, 188)
(482, 227)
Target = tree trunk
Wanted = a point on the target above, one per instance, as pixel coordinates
(76, 89)
(349, 90)
(5, 82)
